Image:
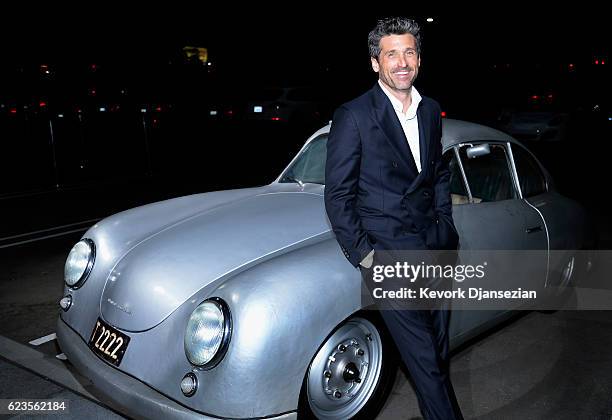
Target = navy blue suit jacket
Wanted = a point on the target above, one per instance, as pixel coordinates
(374, 195)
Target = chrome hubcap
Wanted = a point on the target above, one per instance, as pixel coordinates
(345, 371)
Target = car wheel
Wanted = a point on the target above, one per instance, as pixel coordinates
(352, 373)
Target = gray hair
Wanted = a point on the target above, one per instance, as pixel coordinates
(393, 26)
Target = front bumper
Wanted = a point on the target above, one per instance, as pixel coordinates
(126, 393)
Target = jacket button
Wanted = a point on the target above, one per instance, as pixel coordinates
(394, 164)
(426, 193)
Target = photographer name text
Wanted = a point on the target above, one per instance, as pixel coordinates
(477, 293)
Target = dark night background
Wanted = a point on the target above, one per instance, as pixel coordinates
(86, 164)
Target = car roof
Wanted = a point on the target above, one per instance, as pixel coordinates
(455, 132)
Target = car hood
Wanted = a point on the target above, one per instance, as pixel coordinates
(163, 270)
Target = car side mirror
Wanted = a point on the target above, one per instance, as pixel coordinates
(480, 150)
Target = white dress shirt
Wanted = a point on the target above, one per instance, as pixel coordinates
(408, 120)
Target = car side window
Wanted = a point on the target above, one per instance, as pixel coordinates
(488, 175)
(531, 178)
(458, 191)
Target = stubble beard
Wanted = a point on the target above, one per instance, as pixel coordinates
(400, 86)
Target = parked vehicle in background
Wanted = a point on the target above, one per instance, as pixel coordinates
(535, 125)
(301, 104)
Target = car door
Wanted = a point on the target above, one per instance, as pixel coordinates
(556, 211)
(491, 215)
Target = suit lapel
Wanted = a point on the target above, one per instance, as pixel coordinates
(385, 115)
(424, 142)
(424, 135)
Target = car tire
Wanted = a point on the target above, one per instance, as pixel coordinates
(352, 372)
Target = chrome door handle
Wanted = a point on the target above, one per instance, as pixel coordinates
(534, 229)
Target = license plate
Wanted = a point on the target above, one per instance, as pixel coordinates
(108, 343)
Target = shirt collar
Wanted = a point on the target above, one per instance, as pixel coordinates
(397, 104)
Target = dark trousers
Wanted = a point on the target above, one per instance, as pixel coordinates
(421, 337)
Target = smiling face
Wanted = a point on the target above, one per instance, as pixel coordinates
(398, 63)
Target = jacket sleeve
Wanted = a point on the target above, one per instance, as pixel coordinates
(342, 184)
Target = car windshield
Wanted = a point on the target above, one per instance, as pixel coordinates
(310, 164)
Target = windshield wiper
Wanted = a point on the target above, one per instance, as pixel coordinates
(291, 178)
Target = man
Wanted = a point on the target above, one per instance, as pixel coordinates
(387, 188)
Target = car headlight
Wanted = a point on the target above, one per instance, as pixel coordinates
(208, 333)
(79, 263)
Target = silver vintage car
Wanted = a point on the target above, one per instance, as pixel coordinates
(240, 304)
